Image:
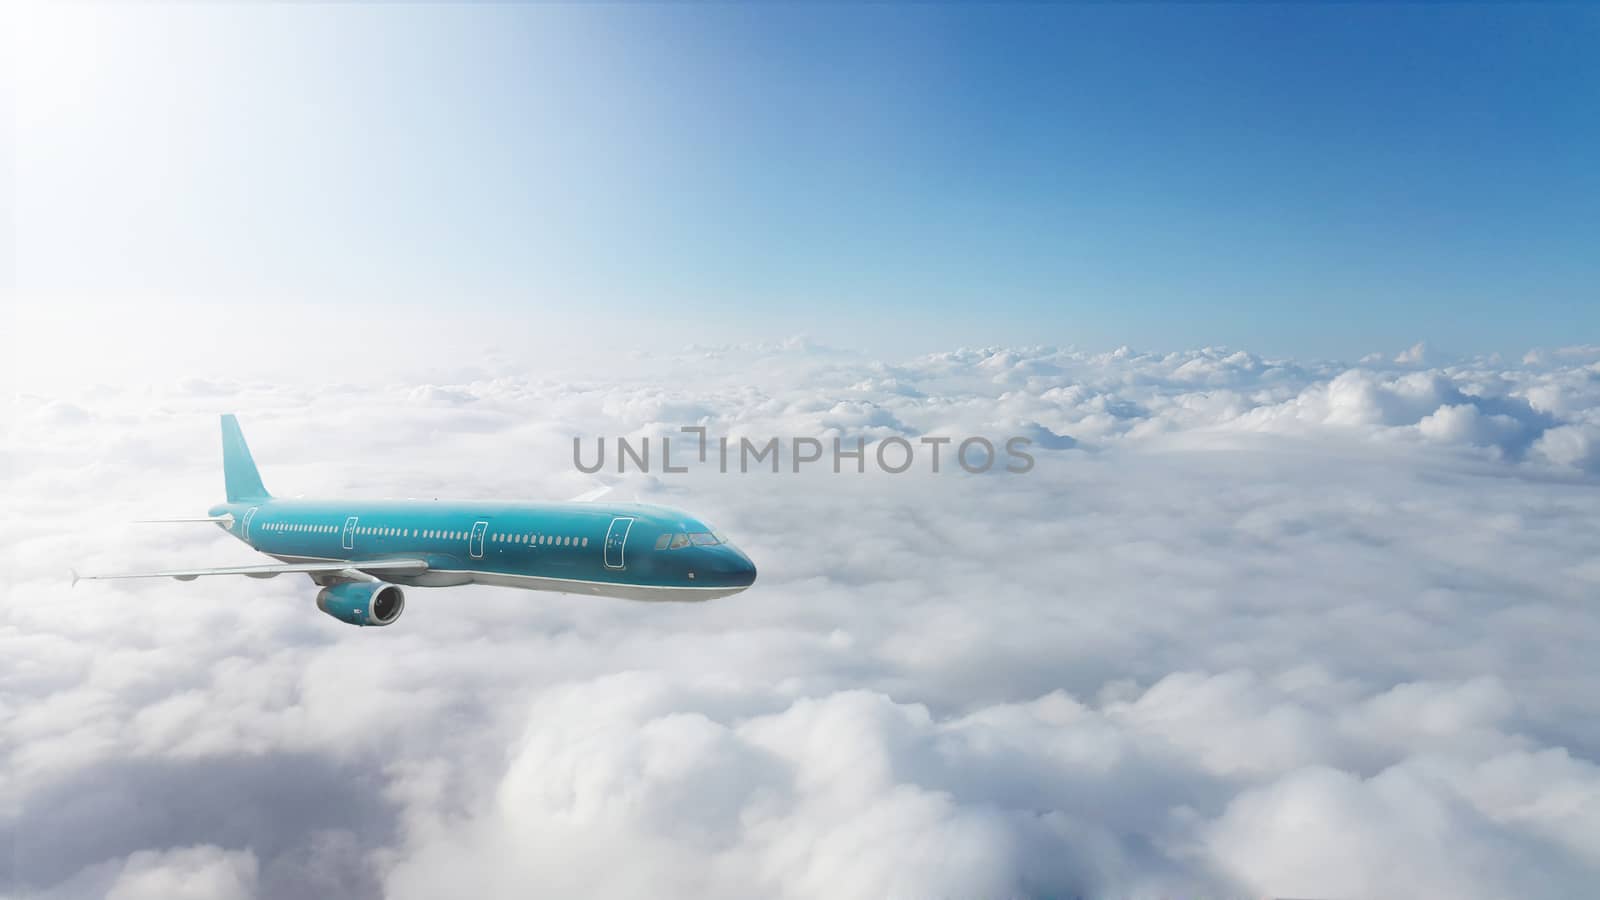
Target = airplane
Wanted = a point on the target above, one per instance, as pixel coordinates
(360, 553)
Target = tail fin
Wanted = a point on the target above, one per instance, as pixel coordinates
(238, 468)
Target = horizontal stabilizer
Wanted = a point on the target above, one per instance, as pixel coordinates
(224, 519)
(595, 494)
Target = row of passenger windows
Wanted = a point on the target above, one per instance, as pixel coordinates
(542, 540)
(698, 538)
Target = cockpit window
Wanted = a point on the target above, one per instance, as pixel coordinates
(696, 538)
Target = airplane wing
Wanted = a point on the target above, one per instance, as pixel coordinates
(355, 567)
(595, 494)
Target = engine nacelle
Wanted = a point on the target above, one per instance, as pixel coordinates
(363, 602)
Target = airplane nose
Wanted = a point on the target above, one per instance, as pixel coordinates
(739, 570)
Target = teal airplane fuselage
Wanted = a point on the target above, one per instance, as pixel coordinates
(630, 550)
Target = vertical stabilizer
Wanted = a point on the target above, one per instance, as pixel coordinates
(238, 468)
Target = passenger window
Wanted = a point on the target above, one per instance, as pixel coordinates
(679, 540)
(585, 542)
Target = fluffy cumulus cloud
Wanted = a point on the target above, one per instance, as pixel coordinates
(1248, 627)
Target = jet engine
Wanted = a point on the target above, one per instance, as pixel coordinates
(363, 602)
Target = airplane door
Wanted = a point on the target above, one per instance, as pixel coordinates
(249, 514)
(475, 545)
(350, 533)
(616, 538)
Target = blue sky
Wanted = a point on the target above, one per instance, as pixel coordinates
(1318, 181)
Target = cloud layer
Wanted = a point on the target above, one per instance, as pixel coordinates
(1250, 627)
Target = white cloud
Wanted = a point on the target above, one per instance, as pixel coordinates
(1250, 626)
(1575, 446)
(1413, 355)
